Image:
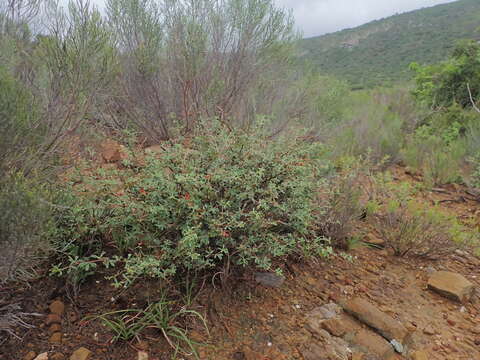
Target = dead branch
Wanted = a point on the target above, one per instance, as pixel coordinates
(471, 99)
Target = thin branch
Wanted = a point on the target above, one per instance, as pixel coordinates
(471, 99)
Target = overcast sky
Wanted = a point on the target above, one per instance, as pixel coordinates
(317, 17)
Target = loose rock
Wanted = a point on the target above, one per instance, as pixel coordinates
(57, 307)
(81, 354)
(142, 355)
(451, 285)
(372, 343)
(42, 356)
(30, 355)
(269, 279)
(334, 326)
(367, 313)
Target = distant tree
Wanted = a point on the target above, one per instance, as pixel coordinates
(455, 81)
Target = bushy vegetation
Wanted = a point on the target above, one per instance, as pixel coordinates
(378, 53)
(455, 81)
(25, 220)
(411, 228)
(257, 159)
(219, 201)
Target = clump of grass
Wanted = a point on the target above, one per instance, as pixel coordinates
(130, 323)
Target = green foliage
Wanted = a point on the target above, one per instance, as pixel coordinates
(411, 228)
(445, 84)
(221, 200)
(24, 220)
(438, 156)
(378, 53)
(374, 123)
(18, 120)
(341, 208)
(128, 324)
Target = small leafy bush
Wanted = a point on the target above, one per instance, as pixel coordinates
(24, 220)
(221, 200)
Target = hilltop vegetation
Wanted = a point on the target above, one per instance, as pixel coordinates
(379, 52)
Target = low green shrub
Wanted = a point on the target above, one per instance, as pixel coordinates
(411, 228)
(341, 208)
(219, 201)
(24, 220)
(439, 157)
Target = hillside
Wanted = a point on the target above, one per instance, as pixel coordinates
(380, 51)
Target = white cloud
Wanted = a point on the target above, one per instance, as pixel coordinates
(316, 17)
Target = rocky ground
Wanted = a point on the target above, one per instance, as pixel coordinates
(368, 305)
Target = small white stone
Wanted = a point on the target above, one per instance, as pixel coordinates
(42, 356)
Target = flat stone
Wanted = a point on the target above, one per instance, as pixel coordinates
(30, 355)
(42, 356)
(419, 355)
(57, 356)
(57, 307)
(372, 343)
(324, 312)
(53, 319)
(269, 279)
(367, 313)
(334, 326)
(56, 338)
(451, 285)
(81, 354)
(334, 349)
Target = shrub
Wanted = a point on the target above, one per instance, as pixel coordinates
(24, 220)
(411, 228)
(438, 158)
(375, 123)
(219, 201)
(185, 60)
(19, 130)
(341, 208)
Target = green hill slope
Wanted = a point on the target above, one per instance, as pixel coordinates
(379, 52)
